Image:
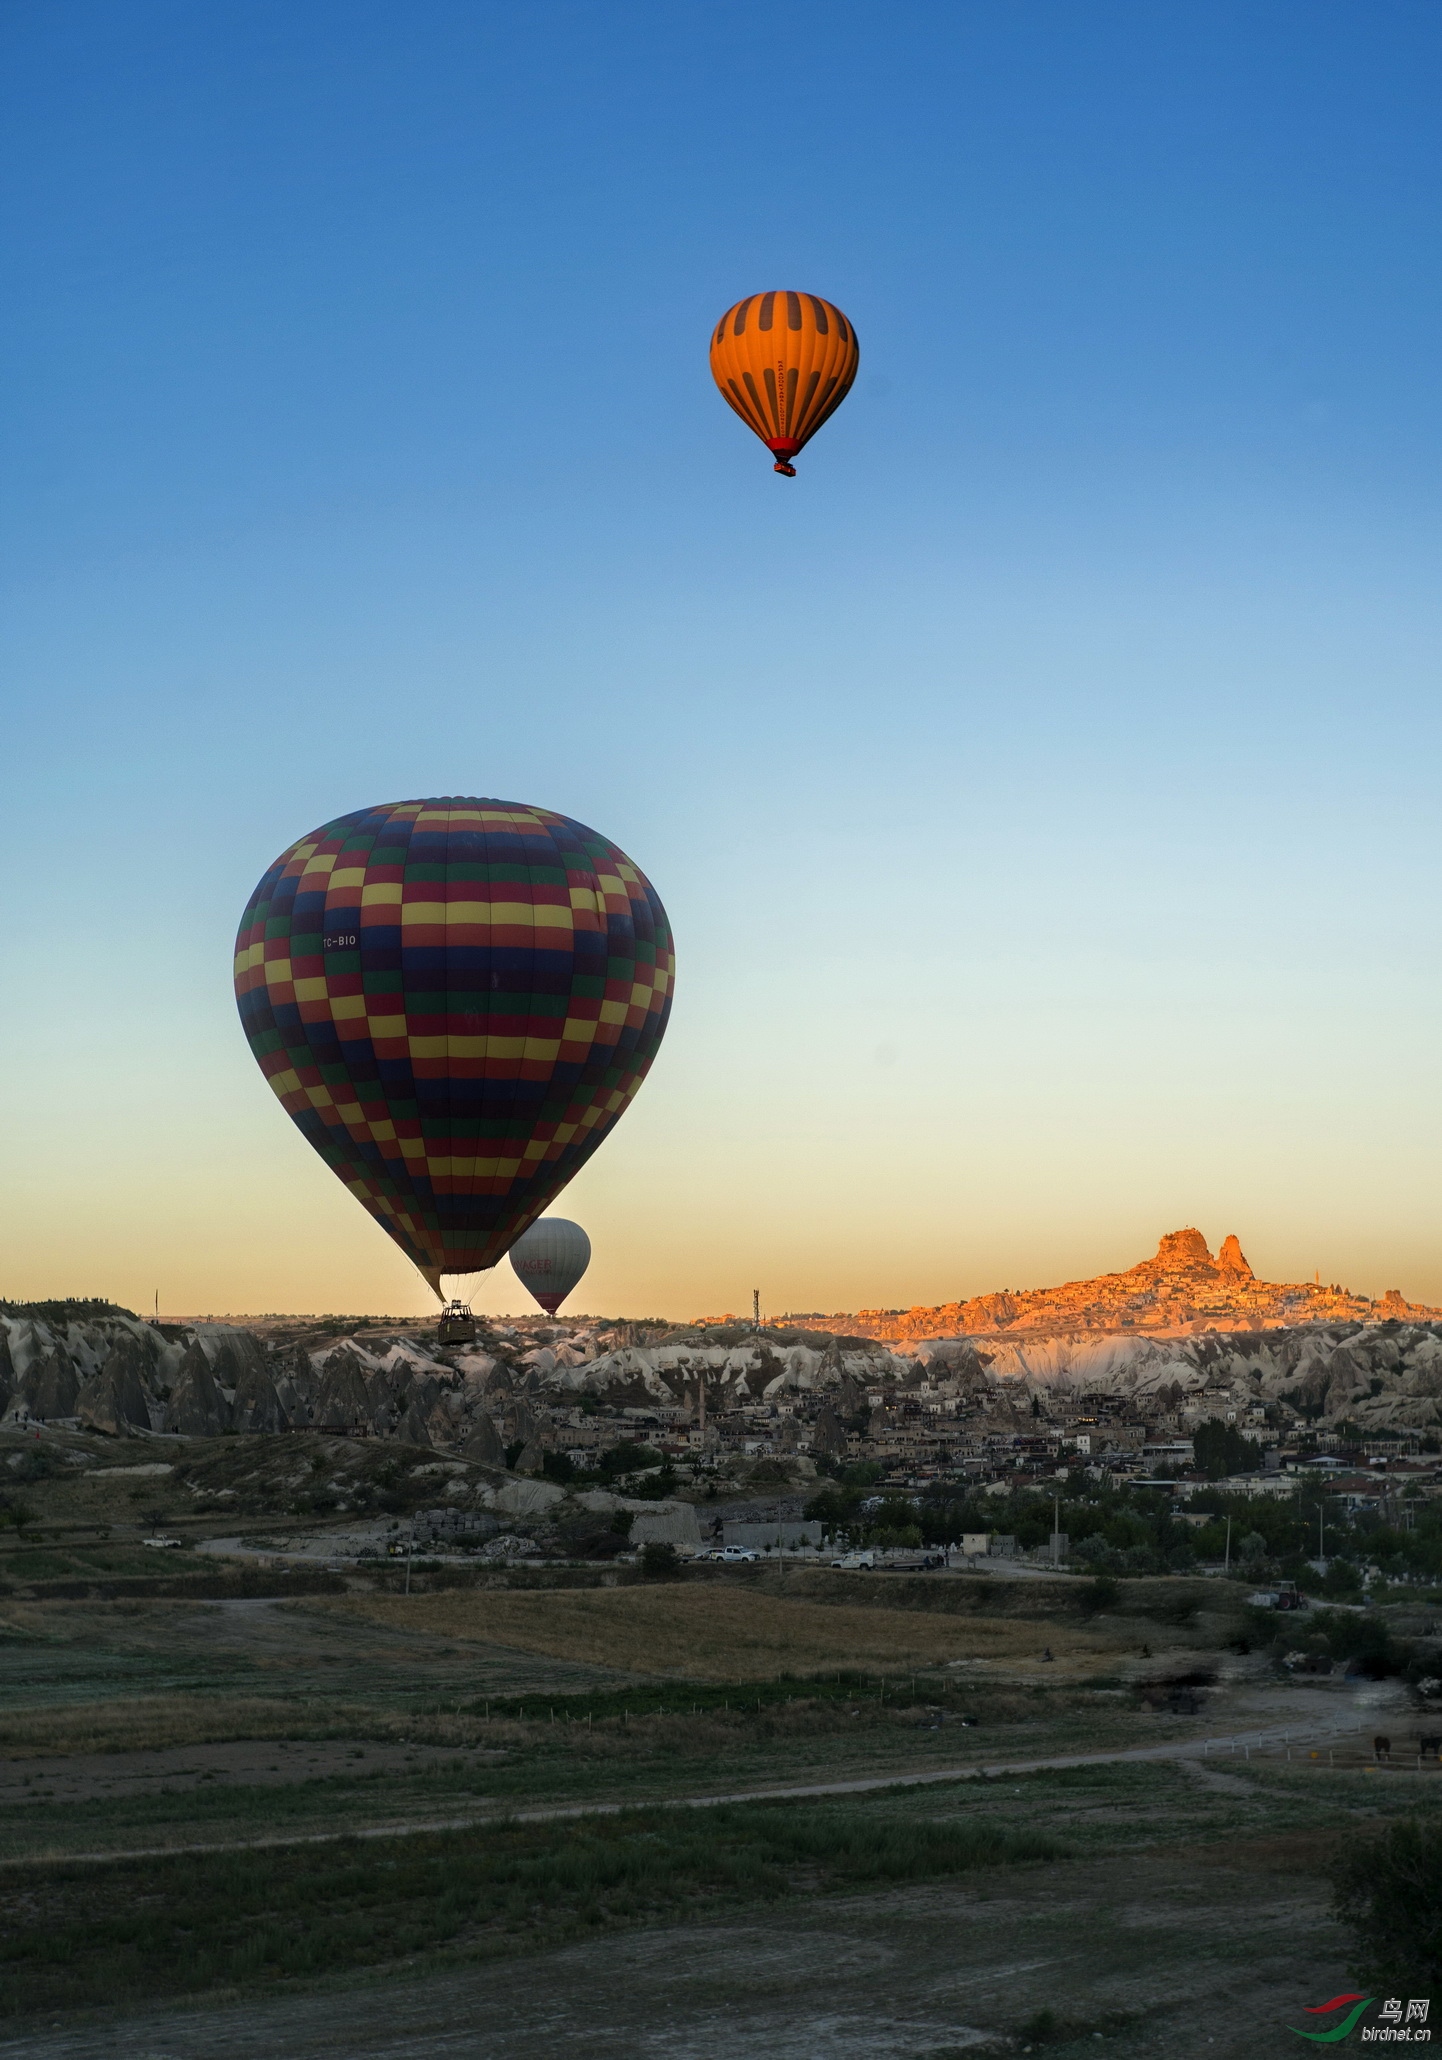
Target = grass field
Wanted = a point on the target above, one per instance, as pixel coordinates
(91, 1657)
(89, 1562)
(137, 1930)
(1035, 1849)
(253, 1725)
(622, 1695)
(716, 1633)
(359, 1772)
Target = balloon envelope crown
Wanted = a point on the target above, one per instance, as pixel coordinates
(784, 362)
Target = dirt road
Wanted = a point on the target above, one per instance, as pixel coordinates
(1311, 1732)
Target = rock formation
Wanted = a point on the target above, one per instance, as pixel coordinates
(1177, 1337)
(1179, 1291)
(114, 1397)
(50, 1385)
(828, 1439)
(196, 1408)
(1232, 1259)
(484, 1442)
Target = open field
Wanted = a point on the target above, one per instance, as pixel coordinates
(716, 1632)
(214, 1740)
(91, 1657)
(1143, 1902)
(348, 1769)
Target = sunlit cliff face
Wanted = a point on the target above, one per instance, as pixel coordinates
(1182, 1289)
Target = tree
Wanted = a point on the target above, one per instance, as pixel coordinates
(654, 1486)
(1341, 1582)
(1389, 1889)
(627, 1457)
(659, 1562)
(1221, 1449)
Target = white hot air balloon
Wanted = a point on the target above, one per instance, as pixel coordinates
(549, 1258)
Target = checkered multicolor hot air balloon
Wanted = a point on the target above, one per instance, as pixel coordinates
(785, 362)
(454, 1000)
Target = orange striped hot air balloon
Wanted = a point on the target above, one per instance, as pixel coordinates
(784, 362)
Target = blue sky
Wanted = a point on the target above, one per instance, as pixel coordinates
(1041, 784)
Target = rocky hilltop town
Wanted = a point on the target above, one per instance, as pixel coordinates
(1182, 1289)
(991, 1406)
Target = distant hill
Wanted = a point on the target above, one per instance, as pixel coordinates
(68, 1309)
(1182, 1291)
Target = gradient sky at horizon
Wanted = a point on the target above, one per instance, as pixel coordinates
(1042, 785)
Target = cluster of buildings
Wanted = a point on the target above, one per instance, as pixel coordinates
(933, 1424)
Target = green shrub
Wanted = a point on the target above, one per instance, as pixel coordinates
(1361, 1641)
(1389, 1889)
(81, 1935)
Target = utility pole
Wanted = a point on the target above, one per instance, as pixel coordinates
(756, 1308)
(1227, 1561)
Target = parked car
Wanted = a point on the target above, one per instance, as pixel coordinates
(163, 1544)
(857, 1562)
(733, 1555)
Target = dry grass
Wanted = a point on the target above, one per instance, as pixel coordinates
(714, 1633)
(155, 1721)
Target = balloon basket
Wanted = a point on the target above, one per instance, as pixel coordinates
(457, 1325)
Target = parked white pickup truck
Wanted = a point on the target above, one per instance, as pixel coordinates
(732, 1555)
(858, 1562)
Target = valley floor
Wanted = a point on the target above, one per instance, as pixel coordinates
(1186, 1953)
(167, 1765)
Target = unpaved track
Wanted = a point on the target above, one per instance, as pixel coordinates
(1232, 1749)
